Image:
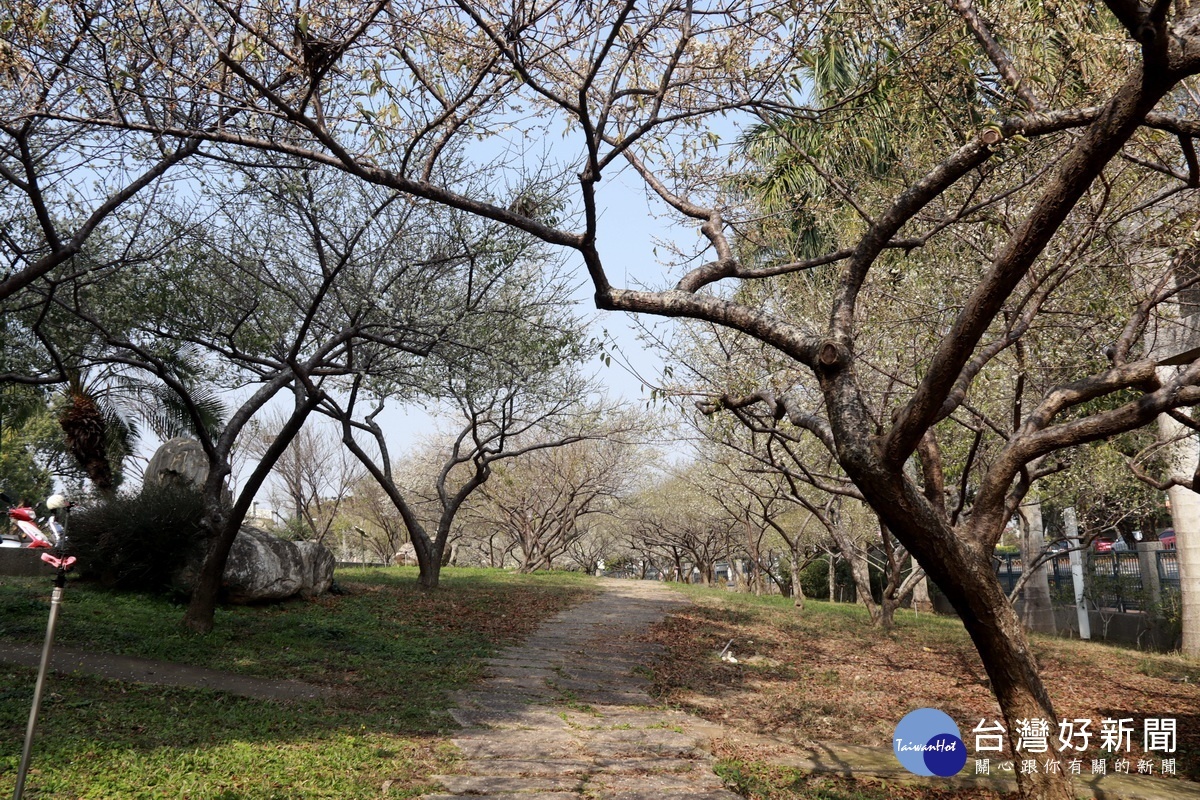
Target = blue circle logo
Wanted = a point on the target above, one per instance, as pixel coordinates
(927, 742)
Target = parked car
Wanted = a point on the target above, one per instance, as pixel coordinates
(1104, 545)
(1167, 538)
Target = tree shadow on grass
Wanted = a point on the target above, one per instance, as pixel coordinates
(101, 738)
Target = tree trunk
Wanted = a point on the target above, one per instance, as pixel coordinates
(429, 562)
(797, 589)
(860, 572)
(223, 524)
(921, 601)
(202, 606)
(1185, 517)
(889, 599)
(86, 434)
(964, 573)
(1000, 639)
(1037, 611)
(887, 613)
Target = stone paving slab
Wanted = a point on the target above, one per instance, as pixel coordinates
(605, 697)
(653, 794)
(520, 672)
(590, 766)
(518, 717)
(565, 714)
(659, 742)
(526, 684)
(622, 787)
(486, 784)
(592, 674)
(519, 767)
(511, 744)
(509, 796)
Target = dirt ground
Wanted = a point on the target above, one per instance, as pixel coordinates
(822, 674)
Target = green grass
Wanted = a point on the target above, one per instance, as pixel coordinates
(825, 616)
(1174, 668)
(394, 649)
(383, 619)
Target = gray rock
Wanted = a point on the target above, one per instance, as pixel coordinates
(406, 556)
(181, 462)
(262, 567)
(318, 563)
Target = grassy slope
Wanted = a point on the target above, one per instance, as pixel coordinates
(393, 649)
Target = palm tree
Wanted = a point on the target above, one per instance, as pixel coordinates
(800, 162)
(103, 404)
(85, 423)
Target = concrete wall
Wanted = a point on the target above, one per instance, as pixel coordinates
(23, 562)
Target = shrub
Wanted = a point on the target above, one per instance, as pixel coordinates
(137, 541)
(814, 579)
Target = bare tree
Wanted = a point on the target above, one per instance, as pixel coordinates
(370, 517)
(279, 289)
(547, 503)
(678, 520)
(598, 549)
(498, 421)
(312, 480)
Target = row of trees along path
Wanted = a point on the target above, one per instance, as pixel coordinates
(566, 715)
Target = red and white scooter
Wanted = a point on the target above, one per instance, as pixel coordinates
(30, 535)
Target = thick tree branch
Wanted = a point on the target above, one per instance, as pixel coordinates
(966, 9)
(1078, 170)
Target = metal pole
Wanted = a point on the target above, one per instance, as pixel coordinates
(1072, 526)
(55, 602)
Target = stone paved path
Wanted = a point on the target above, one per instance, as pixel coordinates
(566, 714)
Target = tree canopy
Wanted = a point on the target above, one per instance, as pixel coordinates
(1022, 179)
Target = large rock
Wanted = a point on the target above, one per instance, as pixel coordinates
(178, 462)
(262, 567)
(406, 556)
(181, 462)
